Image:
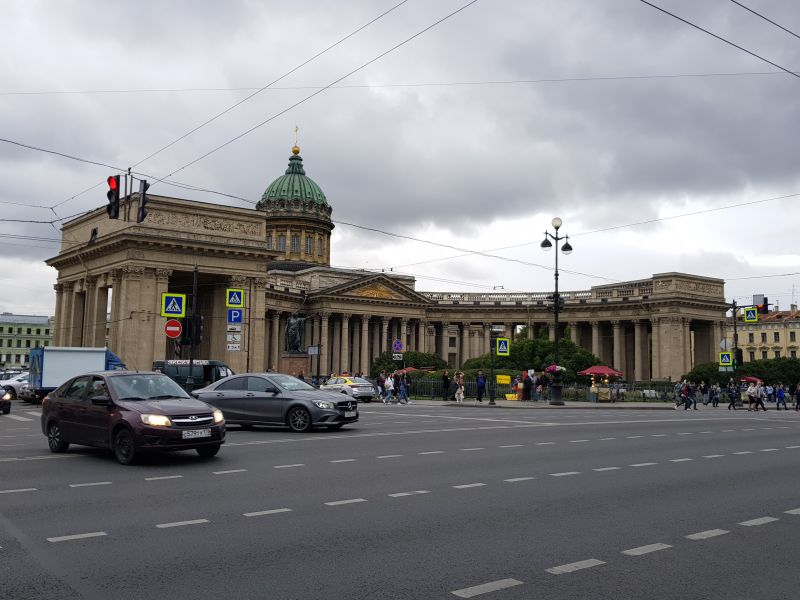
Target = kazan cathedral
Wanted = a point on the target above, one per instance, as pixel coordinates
(300, 314)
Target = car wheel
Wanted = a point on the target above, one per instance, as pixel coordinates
(299, 420)
(124, 447)
(335, 427)
(6, 410)
(55, 440)
(208, 451)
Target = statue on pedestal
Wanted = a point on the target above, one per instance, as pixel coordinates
(295, 334)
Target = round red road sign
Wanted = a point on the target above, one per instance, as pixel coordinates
(173, 328)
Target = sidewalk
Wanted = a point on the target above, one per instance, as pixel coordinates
(472, 403)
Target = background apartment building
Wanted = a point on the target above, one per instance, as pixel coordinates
(775, 335)
(20, 333)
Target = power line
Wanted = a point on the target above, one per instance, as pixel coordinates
(289, 72)
(62, 154)
(720, 38)
(758, 14)
(296, 104)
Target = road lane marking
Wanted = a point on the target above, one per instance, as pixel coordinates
(261, 513)
(31, 412)
(791, 447)
(748, 429)
(728, 430)
(633, 437)
(576, 566)
(794, 511)
(77, 485)
(516, 479)
(545, 443)
(470, 449)
(77, 536)
(744, 452)
(680, 459)
(709, 431)
(577, 441)
(645, 464)
(713, 456)
(163, 477)
(350, 501)
(565, 473)
(606, 439)
(343, 460)
(45, 457)
(659, 435)
(230, 471)
(757, 522)
(512, 446)
(468, 485)
(432, 452)
(288, 466)
(768, 450)
(646, 549)
(414, 493)
(686, 433)
(390, 456)
(601, 469)
(17, 491)
(485, 588)
(704, 535)
(182, 523)
(18, 418)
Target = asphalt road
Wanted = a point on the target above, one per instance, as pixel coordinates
(417, 502)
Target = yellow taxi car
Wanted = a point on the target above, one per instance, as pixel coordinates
(356, 387)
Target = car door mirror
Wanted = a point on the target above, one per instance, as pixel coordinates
(101, 400)
(272, 390)
(194, 394)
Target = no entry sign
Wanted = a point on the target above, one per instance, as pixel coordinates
(173, 328)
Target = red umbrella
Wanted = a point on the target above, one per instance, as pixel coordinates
(751, 379)
(601, 371)
(407, 370)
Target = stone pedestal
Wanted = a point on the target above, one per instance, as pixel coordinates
(294, 364)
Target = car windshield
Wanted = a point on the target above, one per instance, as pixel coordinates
(145, 386)
(360, 380)
(291, 384)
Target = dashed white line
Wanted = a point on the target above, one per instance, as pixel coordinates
(659, 435)
(432, 452)
(686, 433)
(17, 491)
(414, 493)
(704, 535)
(182, 523)
(471, 449)
(794, 511)
(485, 588)
(728, 430)
(77, 485)
(680, 459)
(601, 469)
(77, 536)
(646, 549)
(757, 522)
(744, 452)
(607, 439)
(288, 466)
(577, 441)
(713, 456)
(512, 446)
(644, 464)
(516, 479)
(163, 477)
(468, 485)
(565, 473)
(33, 413)
(545, 443)
(576, 566)
(350, 501)
(633, 437)
(261, 513)
(390, 456)
(768, 450)
(343, 460)
(230, 471)
(792, 447)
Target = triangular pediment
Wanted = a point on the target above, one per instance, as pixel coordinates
(376, 288)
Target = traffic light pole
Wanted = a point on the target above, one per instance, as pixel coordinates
(738, 399)
(193, 321)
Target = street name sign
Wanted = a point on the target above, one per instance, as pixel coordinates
(173, 328)
(173, 305)
(503, 345)
(234, 298)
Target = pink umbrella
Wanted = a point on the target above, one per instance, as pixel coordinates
(601, 371)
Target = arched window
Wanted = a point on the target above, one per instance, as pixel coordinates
(295, 243)
(281, 243)
(321, 248)
(309, 245)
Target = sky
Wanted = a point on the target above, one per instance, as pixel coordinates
(661, 147)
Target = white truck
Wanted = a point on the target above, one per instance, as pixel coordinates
(51, 366)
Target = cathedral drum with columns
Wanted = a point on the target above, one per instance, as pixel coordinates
(109, 292)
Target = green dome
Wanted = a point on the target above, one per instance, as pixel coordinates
(294, 185)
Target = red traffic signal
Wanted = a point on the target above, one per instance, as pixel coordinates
(113, 197)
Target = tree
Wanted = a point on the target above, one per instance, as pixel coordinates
(771, 370)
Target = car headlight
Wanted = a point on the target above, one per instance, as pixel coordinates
(156, 420)
(6, 395)
(324, 404)
(218, 416)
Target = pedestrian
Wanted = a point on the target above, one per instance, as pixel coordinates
(403, 396)
(535, 387)
(527, 385)
(381, 381)
(407, 379)
(445, 385)
(732, 393)
(388, 385)
(704, 393)
(751, 396)
(761, 393)
(459, 381)
(301, 377)
(797, 396)
(678, 393)
(780, 397)
(770, 393)
(715, 392)
(480, 386)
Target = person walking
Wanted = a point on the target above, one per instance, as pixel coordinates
(797, 396)
(445, 385)
(780, 397)
(381, 381)
(715, 392)
(704, 392)
(389, 387)
(480, 386)
(751, 396)
(403, 395)
(761, 393)
(732, 393)
(458, 378)
(527, 384)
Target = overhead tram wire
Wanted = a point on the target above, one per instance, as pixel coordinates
(316, 93)
(758, 14)
(258, 91)
(720, 38)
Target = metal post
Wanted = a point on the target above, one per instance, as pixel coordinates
(493, 345)
(738, 399)
(193, 320)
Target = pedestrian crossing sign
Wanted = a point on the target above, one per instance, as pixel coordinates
(726, 359)
(234, 298)
(751, 314)
(173, 305)
(502, 348)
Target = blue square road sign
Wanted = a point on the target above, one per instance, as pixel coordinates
(235, 315)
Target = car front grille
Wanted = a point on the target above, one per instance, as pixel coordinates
(347, 405)
(192, 420)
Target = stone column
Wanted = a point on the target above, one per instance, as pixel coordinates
(445, 348)
(655, 370)
(275, 336)
(384, 335)
(466, 351)
(687, 345)
(618, 353)
(487, 338)
(336, 350)
(551, 332)
(404, 333)
(128, 317)
(114, 282)
(376, 340)
(573, 333)
(355, 343)
(638, 366)
(596, 338)
(323, 341)
(257, 329)
(422, 330)
(365, 366)
(76, 315)
(344, 362)
(59, 289)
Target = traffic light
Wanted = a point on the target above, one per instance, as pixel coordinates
(763, 308)
(142, 212)
(113, 197)
(192, 333)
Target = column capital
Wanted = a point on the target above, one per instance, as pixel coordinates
(90, 282)
(259, 282)
(616, 323)
(132, 273)
(404, 320)
(365, 318)
(163, 274)
(346, 316)
(58, 287)
(594, 323)
(237, 280)
(324, 314)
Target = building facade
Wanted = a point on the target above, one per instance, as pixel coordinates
(20, 333)
(775, 335)
(279, 254)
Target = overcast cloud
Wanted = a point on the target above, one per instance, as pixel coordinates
(472, 166)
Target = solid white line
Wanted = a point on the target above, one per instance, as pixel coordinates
(414, 493)
(576, 566)
(390, 456)
(260, 513)
(515, 479)
(679, 459)
(181, 523)
(340, 502)
(647, 464)
(512, 446)
(79, 536)
(231, 471)
(744, 452)
(288, 466)
(794, 511)
(713, 456)
(77, 485)
(704, 535)
(768, 450)
(565, 473)
(470, 449)
(163, 477)
(18, 418)
(646, 549)
(757, 522)
(432, 452)
(485, 588)
(343, 460)
(601, 469)
(18, 491)
(468, 485)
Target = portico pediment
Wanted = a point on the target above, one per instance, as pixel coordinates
(373, 288)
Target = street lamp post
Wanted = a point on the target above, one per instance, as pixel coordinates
(555, 395)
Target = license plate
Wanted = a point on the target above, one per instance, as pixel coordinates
(350, 413)
(196, 433)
